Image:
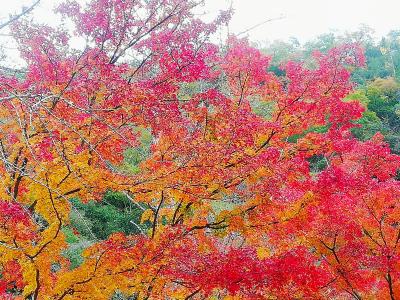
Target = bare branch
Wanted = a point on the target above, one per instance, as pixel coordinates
(259, 24)
(22, 13)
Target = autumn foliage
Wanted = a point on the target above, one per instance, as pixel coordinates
(235, 208)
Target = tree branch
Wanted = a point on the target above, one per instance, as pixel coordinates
(22, 13)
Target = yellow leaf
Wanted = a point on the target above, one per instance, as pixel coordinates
(146, 216)
(263, 252)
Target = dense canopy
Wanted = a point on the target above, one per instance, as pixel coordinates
(250, 185)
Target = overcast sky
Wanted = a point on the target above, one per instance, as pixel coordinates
(306, 19)
(303, 19)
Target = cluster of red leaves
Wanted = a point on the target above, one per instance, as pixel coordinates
(16, 222)
(241, 272)
(11, 279)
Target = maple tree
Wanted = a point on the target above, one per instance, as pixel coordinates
(234, 207)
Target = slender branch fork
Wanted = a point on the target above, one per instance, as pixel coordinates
(22, 13)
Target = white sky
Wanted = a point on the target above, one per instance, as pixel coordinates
(303, 19)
